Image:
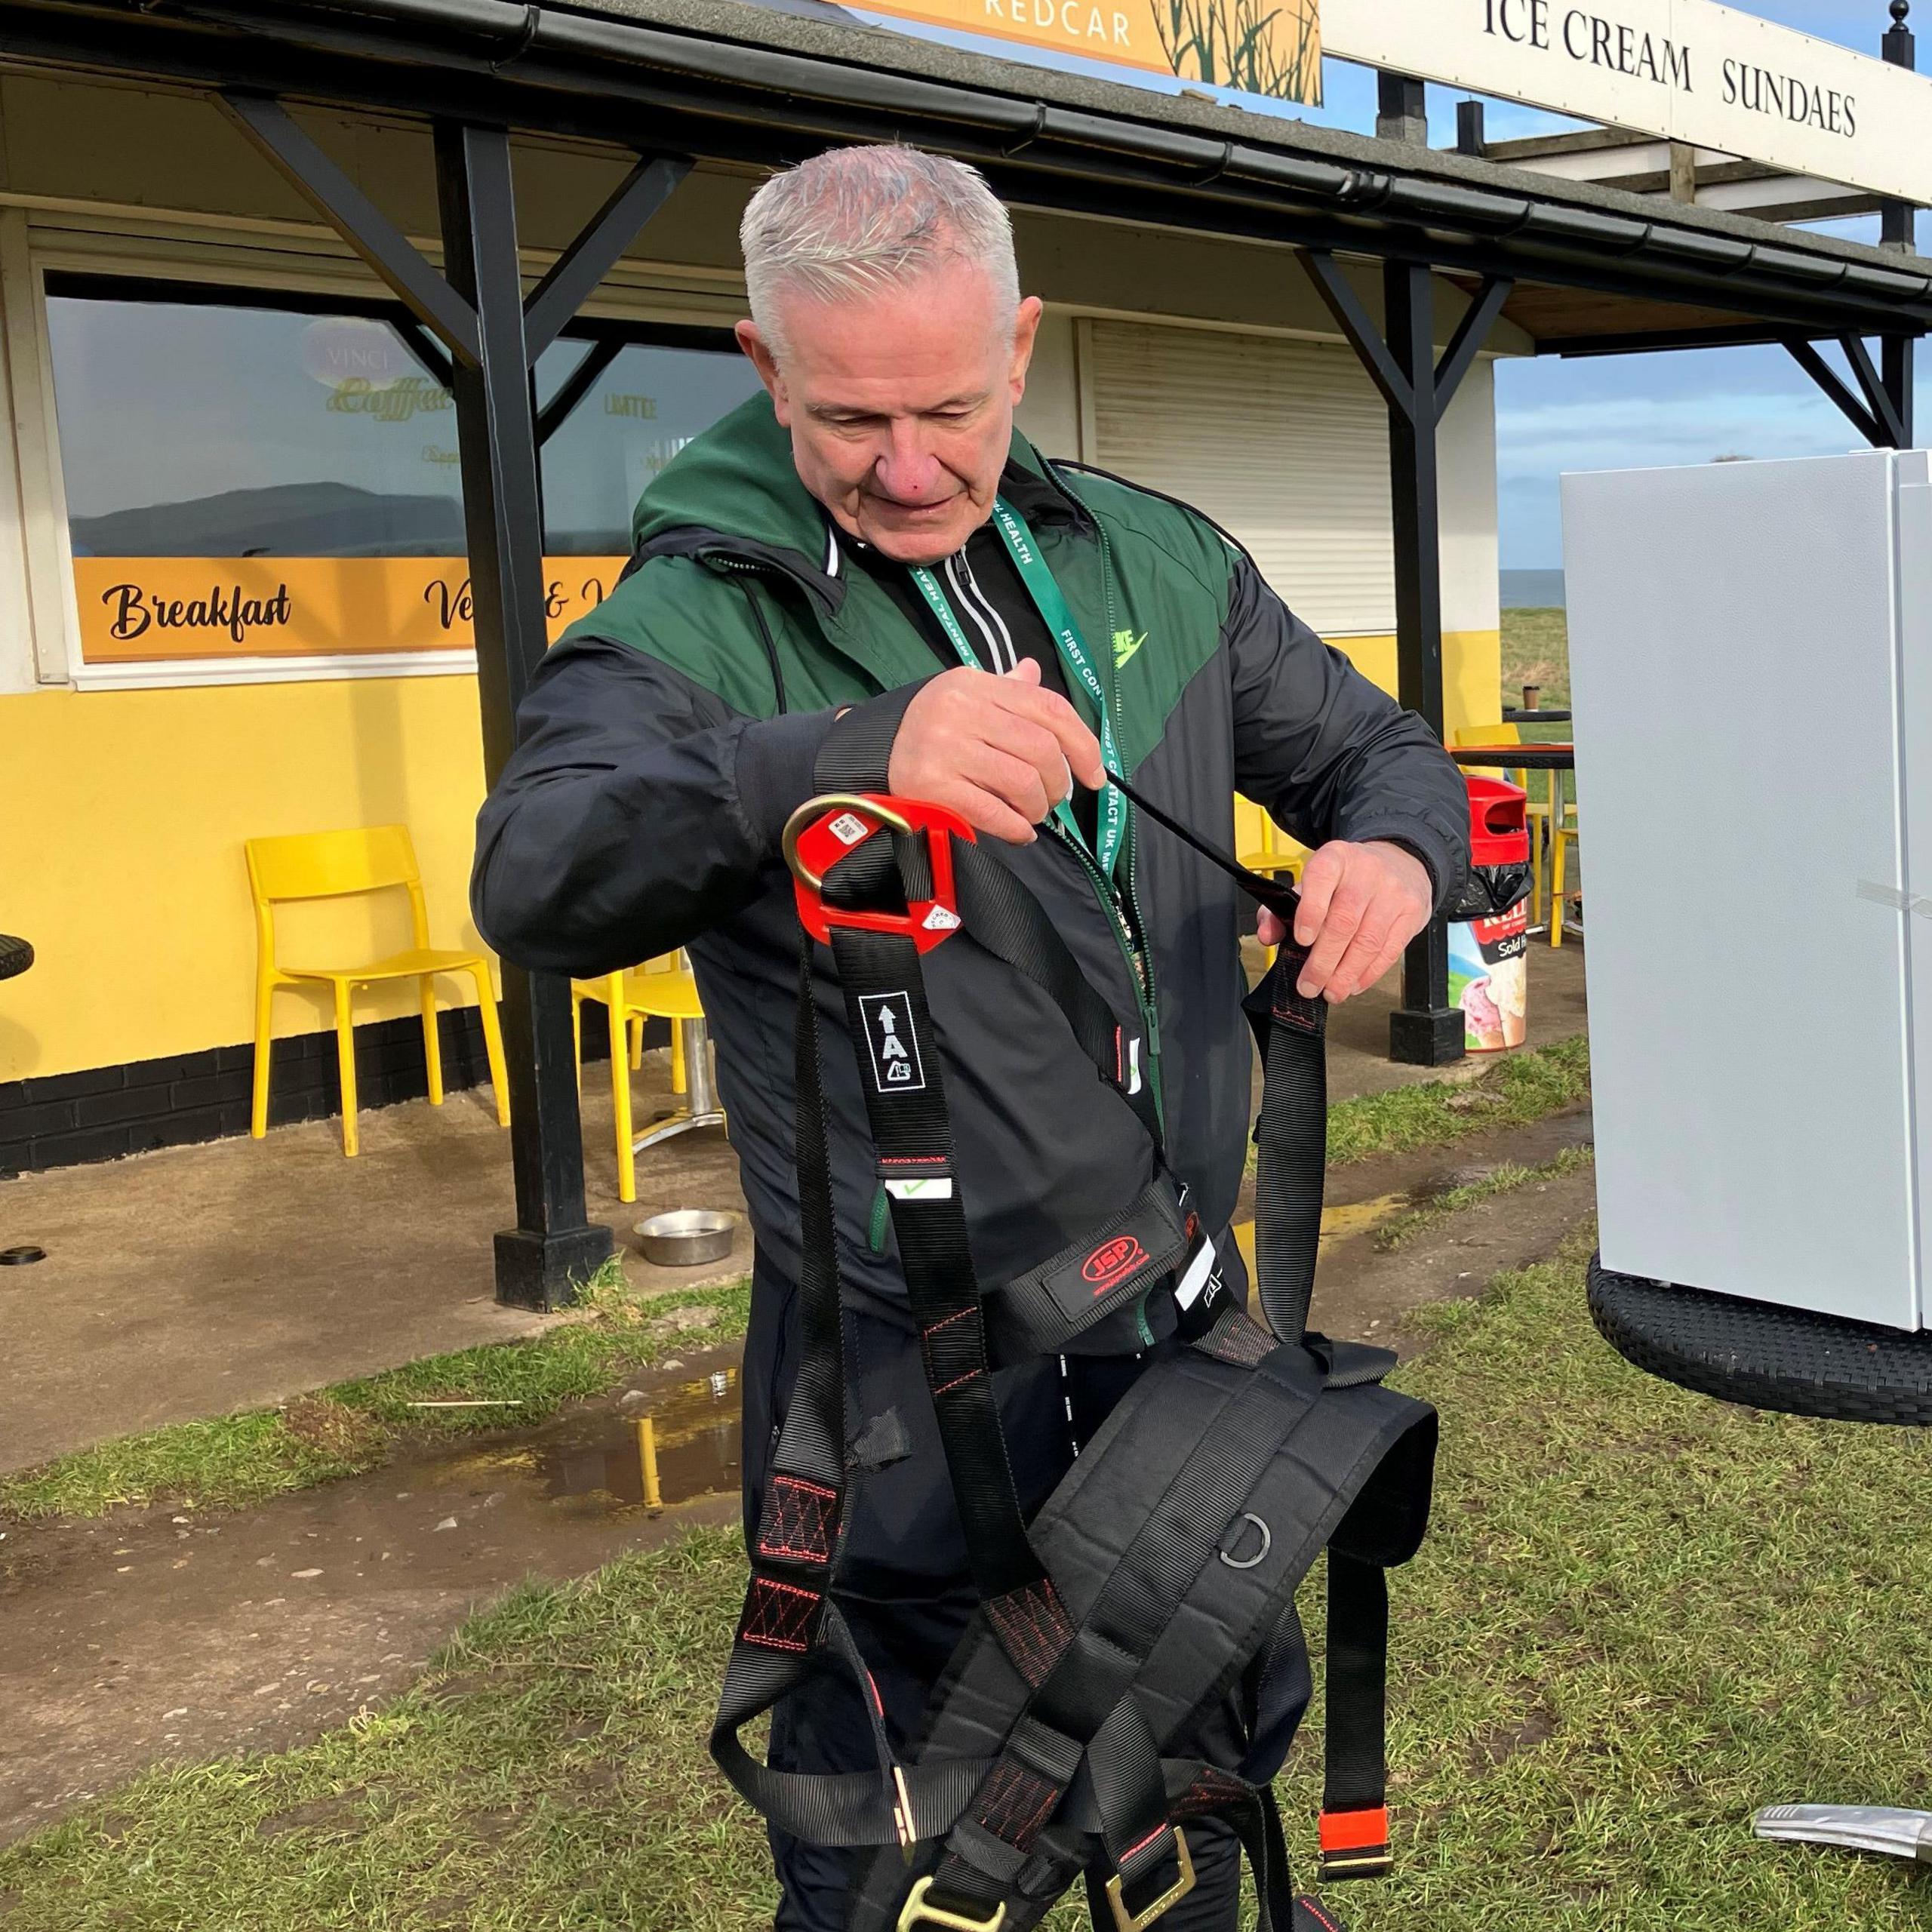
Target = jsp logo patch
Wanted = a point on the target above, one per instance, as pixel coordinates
(896, 1064)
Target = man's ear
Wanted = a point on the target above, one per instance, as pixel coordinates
(1026, 330)
(751, 339)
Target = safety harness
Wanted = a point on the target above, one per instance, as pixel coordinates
(1136, 1660)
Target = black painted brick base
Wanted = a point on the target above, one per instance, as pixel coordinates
(62, 1120)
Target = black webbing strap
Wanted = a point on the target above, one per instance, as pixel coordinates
(1355, 1823)
(1291, 1134)
(1290, 1137)
(1084, 1698)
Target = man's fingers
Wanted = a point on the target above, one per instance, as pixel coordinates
(1269, 928)
(1012, 780)
(1023, 739)
(1338, 926)
(985, 811)
(1319, 878)
(1358, 967)
(1022, 695)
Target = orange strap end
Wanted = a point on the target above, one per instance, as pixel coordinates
(1355, 1831)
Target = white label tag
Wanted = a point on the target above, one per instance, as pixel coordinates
(848, 828)
(939, 920)
(895, 1052)
(940, 1189)
(1195, 1278)
(1133, 1065)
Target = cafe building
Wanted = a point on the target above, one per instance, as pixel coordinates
(340, 340)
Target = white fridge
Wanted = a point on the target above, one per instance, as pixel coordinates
(1751, 663)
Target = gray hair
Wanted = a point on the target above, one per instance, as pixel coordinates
(853, 220)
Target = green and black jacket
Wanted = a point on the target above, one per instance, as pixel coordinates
(671, 732)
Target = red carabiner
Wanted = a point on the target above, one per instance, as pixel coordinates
(824, 829)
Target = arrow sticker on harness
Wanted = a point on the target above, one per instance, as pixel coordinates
(897, 1068)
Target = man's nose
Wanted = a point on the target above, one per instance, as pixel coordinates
(907, 471)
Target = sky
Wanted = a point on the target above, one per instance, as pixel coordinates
(1634, 411)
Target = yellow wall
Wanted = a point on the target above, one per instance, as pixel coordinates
(1472, 673)
(122, 815)
(121, 819)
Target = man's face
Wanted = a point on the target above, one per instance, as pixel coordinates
(900, 405)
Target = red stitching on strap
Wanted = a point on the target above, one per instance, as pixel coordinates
(798, 1520)
(958, 1315)
(1015, 1803)
(1033, 1628)
(778, 1616)
(956, 1381)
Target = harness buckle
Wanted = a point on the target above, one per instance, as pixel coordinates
(824, 829)
(1137, 1921)
(1355, 1844)
(918, 1912)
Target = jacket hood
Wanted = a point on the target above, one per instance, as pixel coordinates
(738, 480)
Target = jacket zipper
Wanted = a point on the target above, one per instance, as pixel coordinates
(1141, 953)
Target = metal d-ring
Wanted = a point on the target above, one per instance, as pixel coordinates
(1261, 1556)
(815, 808)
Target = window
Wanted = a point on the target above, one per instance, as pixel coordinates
(269, 482)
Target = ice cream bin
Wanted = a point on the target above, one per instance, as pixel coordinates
(1489, 920)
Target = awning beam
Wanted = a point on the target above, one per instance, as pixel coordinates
(1425, 1030)
(475, 306)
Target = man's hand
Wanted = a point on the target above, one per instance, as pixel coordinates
(1360, 905)
(999, 750)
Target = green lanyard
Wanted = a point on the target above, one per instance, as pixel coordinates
(1052, 606)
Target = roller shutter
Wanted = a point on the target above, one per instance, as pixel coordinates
(1285, 443)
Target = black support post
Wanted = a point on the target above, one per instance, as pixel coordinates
(1880, 408)
(1898, 221)
(554, 1247)
(477, 308)
(1425, 1030)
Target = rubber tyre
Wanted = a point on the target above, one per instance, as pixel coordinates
(1758, 1353)
(16, 955)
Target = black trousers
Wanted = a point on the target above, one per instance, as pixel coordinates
(905, 1618)
(823, 1726)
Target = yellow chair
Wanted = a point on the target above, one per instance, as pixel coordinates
(339, 865)
(1537, 815)
(662, 989)
(1261, 844)
(1564, 827)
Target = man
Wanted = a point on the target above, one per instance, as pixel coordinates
(819, 579)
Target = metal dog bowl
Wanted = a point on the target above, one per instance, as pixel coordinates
(688, 1235)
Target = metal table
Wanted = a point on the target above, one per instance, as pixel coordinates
(16, 956)
(1516, 715)
(700, 1107)
(1518, 758)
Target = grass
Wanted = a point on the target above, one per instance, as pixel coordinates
(229, 1462)
(1640, 1615)
(1536, 650)
(1505, 1179)
(232, 1461)
(1525, 1086)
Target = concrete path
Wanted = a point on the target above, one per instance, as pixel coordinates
(198, 1280)
(163, 1634)
(194, 1281)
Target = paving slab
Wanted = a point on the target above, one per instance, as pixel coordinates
(194, 1281)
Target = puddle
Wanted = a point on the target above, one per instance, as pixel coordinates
(684, 1445)
(1343, 1220)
